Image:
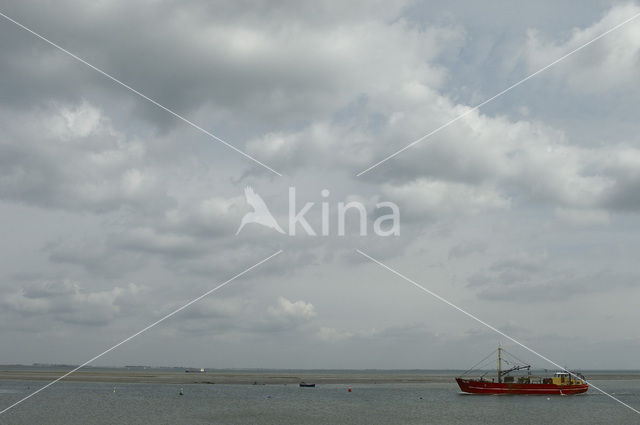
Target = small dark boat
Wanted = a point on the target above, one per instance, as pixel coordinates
(305, 385)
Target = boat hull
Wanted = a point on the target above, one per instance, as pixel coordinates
(483, 387)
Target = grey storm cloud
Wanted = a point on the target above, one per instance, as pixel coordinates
(535, 279)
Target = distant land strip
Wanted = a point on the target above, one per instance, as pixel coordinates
(258, 377)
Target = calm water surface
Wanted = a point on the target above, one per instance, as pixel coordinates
(72, 403)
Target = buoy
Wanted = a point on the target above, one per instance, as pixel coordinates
(114, 389)
(181, 391)
(349, 389)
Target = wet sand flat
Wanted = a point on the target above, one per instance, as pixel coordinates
(253, 377)
(214, 377)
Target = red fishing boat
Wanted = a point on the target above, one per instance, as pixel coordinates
(562, 383)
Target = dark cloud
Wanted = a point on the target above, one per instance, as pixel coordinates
(464, 249)
(531, 280)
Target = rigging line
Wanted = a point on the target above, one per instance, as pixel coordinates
(473, 367)
(486, 366)
(515, 357)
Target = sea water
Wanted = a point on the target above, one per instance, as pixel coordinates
(83, 403)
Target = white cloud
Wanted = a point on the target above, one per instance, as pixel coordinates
(332, 335)
(292, 310)
(66, 301)
(71, 157)
(424, 199)
(610, 63)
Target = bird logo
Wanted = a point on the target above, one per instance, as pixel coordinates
(260, 213)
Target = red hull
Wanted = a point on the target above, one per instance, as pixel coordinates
(483, 387)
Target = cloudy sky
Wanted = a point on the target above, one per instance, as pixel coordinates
(114, 212)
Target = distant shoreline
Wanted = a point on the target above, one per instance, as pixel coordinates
(246, 378)
(254, 377)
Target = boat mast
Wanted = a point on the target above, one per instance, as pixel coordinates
(499, 364)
